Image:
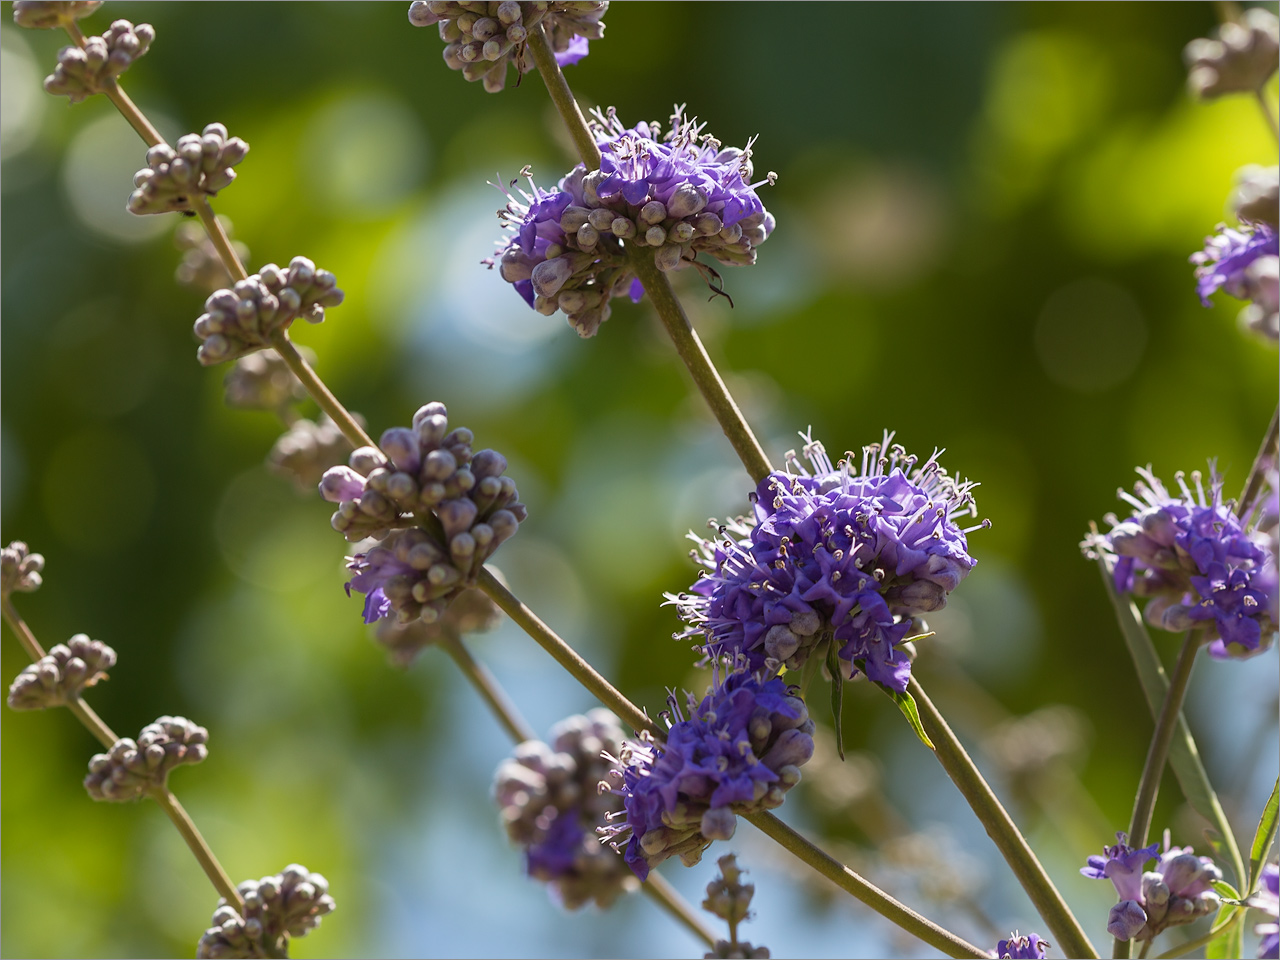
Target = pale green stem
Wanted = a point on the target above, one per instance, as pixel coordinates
(868, 893)
(692, 353)
(1002, 830)
(1183, 949)
(1258, 472)
(489, 689)
(218, 237)
(320, 393)
(1266, 112)
(107, 737)
(667, 897)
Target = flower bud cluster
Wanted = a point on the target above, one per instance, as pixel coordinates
(51, 14)
(20, 569)
(452, 509)
(289, 904)
(471, 611)
(200, 164)
(305, 451)
(1019, 947)
(241, 320)
(263, 381)
(739, 752)
(131, 767)
(833, 556)
(201, 267)
(1178, 891)
(58, 677)
(672, 196)
(1245, 263)
(730, 900)
(80, 73)
(1240, 60)
(1199, 562)
(551, 805)
(481, 39)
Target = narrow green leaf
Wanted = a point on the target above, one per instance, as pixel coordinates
(1226, 891)
(1227, 945)
(1184, 756)
(907, 704)
(837, 695)
(1263, 837)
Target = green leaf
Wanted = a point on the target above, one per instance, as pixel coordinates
(1263, 837)
(1184, 756)
(837, 695)
(1227, 892)
(1229, 944)
(907, 704)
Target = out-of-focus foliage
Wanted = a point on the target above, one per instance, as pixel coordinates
(984, 214)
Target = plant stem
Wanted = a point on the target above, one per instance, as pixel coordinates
(1266, 112)
(1258, 472)
(218, 237)
(655, 282)
(563, 98)
(490, 691)
(565, 655)
(128, 109)
(21, 630)
(212, 868)
(1183, 949)
(1149, 785)
(868, 893)
(1001, 829)
(320, 393)
(92, 722)
(661, 892)
(694, 355)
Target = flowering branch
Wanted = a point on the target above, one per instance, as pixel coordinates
(111, 89)
(1000, 828)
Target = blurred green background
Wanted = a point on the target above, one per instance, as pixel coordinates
(984, 214)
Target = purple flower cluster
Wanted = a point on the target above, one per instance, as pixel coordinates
(1245, 262)
(481, 39)
(1197, 560)
(676, 195)
(439, 509)
(1179, 890)
(1267, 899)
(739, 751)
(834, 555)
(1018, 947)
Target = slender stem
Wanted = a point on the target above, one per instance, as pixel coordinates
(21, 630)
(212, 868)
(694, 355)
(563, 98)
(565, 655)
(1000, 828)
(1266, 112)
(655, 282)
(129, 110)
(1258, 472)
(1183, 949)
(668, 898)
(92, 722)
(1146, 948)
(868, 893)
(490, 691)
(339, 414)
(1149, 785)
(218, 236)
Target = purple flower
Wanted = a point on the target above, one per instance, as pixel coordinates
(675, 196)
(482, 44)
(1179, 890)
(1267, 899)
(439, 510)
(1197, 560)
(738, 752)
(835, 555)
(1226, 257)
(1017, 947)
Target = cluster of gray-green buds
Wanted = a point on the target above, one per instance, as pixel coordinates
(1240, 60)
(241, 320)
(551, 804)
(51, 14)
(289, 904)
(307, 449)
(263, 381)
(201, 267)
(59, 676)
(471, 611)
(131, 768)
(200, 165)
(83, 71)
(19, 569)
(730, 900)
(481, 39)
